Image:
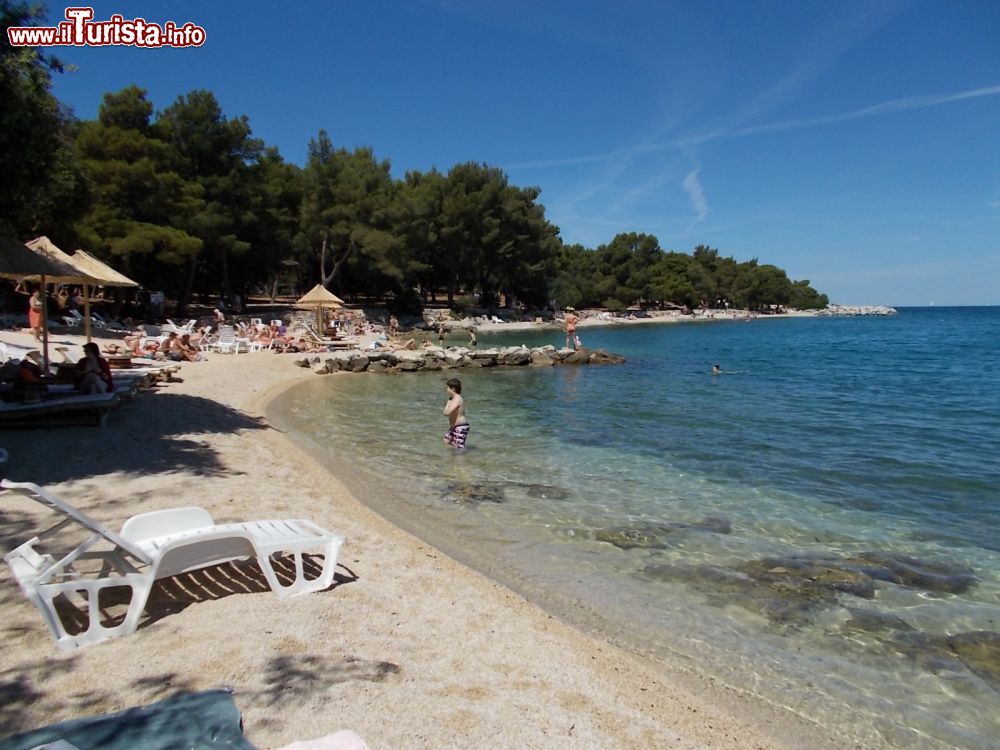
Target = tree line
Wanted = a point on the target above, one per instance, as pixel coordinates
(187, 201)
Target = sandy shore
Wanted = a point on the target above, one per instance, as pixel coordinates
(409, 649)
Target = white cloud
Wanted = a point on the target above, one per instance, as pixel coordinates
(696, 193)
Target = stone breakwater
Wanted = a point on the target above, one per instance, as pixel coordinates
(438, 358)
(858, 310)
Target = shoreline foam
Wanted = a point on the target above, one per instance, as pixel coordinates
(411, 648)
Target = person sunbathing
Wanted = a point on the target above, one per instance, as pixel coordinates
(175, 352)
(189, 351)
(410, 344)
(133, 340)
(301, 345)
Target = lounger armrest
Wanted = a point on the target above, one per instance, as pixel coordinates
(27, 565)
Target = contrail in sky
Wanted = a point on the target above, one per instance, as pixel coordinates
(884, 108)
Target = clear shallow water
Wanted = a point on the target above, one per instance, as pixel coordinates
(669, 509)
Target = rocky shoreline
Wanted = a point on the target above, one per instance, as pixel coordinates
(847, 310)
(440, 358)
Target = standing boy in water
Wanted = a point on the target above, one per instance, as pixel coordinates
(455, 411)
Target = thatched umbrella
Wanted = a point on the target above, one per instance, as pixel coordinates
(18, 262)
(70, 274)
(319, 297)
(98, 269)
(39, 260)
(103, 273)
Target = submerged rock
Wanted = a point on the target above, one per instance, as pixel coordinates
(871, 621)
(724, 587)
(545, 491)
(790, 589)
(715, 524)
(980, 652)
(911, 572)
(803, 576)
(643, 536)
(658, 535)
(467, 493)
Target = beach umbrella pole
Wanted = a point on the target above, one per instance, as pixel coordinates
(45, 328)
(86, 311)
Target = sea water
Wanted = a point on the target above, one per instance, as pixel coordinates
(817, 525)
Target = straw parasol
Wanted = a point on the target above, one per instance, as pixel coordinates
(98, 269)
(72, 275)
(18, 262)
(319, 297)
(105, 276)
(48, 265)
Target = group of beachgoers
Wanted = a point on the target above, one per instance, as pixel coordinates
(92, 374)
(192, 347)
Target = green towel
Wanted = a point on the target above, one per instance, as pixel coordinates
(207, 720)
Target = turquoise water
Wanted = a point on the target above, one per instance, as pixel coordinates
(818, 525)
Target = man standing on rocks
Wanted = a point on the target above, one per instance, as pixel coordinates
(570, 322)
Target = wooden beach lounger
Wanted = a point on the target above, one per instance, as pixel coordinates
(99, 404)
(155, 545)
(125, 388)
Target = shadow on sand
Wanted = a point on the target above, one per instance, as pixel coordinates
(157, 432)
(23, 695)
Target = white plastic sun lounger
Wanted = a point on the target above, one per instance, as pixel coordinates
(150, 546)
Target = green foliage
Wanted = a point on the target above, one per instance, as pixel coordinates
(407, 302)
(633, 269)
(41, 189)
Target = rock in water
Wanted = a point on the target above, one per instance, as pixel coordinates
(467, 493)
(980, 652)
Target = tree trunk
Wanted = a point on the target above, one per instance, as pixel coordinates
(227, 292)
(182, 302)
(326, 278)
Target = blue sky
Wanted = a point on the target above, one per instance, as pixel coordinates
(854, 144)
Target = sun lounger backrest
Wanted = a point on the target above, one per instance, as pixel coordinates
(39, 495)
